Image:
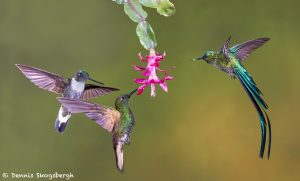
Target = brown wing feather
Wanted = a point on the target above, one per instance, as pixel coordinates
(92, 91)
(106, 117)
(44, 80)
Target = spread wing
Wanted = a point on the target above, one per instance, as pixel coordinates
(224, 49)
(243, 50)
(91, 91)
(44, 80)
(106, 117)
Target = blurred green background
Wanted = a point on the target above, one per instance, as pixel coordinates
(205, 128)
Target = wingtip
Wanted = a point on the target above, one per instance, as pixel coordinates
(265, 39)
(22, 68)
(228, 40)
(18, 66)
(113, 89)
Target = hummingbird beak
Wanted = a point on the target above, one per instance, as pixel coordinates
(199, 58)
(131, 93)
(95, 81)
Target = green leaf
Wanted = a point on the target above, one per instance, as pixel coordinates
(166, 8)
(119, 1)
(135, 11)
(149, 3)
(146, 35)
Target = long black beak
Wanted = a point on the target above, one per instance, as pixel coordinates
(199, 58)
(95, 81)
(131, 93)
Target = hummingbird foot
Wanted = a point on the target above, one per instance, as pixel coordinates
(126, 139)
(232, 74)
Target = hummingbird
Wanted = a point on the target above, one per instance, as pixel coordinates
(230, 61)
(119, 121)
(74, 88)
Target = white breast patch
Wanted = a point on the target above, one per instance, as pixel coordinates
(77, 86)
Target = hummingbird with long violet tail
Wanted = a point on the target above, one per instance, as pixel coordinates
(74, 88)
(230, 60)
(119, 121)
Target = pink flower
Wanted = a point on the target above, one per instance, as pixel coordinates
(149, 72)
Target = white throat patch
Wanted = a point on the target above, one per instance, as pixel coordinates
(77, 86)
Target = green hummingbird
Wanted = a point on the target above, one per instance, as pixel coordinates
(119, 121)
(229, 60)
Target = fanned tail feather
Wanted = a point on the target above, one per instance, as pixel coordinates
(255, 96)
(62, 120)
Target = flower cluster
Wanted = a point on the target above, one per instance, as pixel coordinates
(149, 72)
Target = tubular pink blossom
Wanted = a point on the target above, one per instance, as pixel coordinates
(138, 68)
(149, 72)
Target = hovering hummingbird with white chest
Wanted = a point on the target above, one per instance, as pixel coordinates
(74, 88)
(119, 121)
(230, 60)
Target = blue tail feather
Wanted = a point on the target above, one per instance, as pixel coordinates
(270, 134)
(254, 95)
(251, 86)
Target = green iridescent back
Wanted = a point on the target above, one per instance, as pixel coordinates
(127, 119)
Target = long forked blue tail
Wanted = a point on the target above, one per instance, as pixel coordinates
(255, 96)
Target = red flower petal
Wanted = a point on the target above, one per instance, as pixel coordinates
(156, 64)
(138, 68)
(141, 89)
(169, 78)
(155, 81)
(146, 73)
(140, 81)
(164, 86)
(141, 58)
(149, 72)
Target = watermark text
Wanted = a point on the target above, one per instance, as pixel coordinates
(38, 175)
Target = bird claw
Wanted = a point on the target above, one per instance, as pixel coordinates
(232, 75)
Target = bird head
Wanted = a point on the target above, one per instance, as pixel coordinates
(83, 76)
(124, 99)
(207, 56)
